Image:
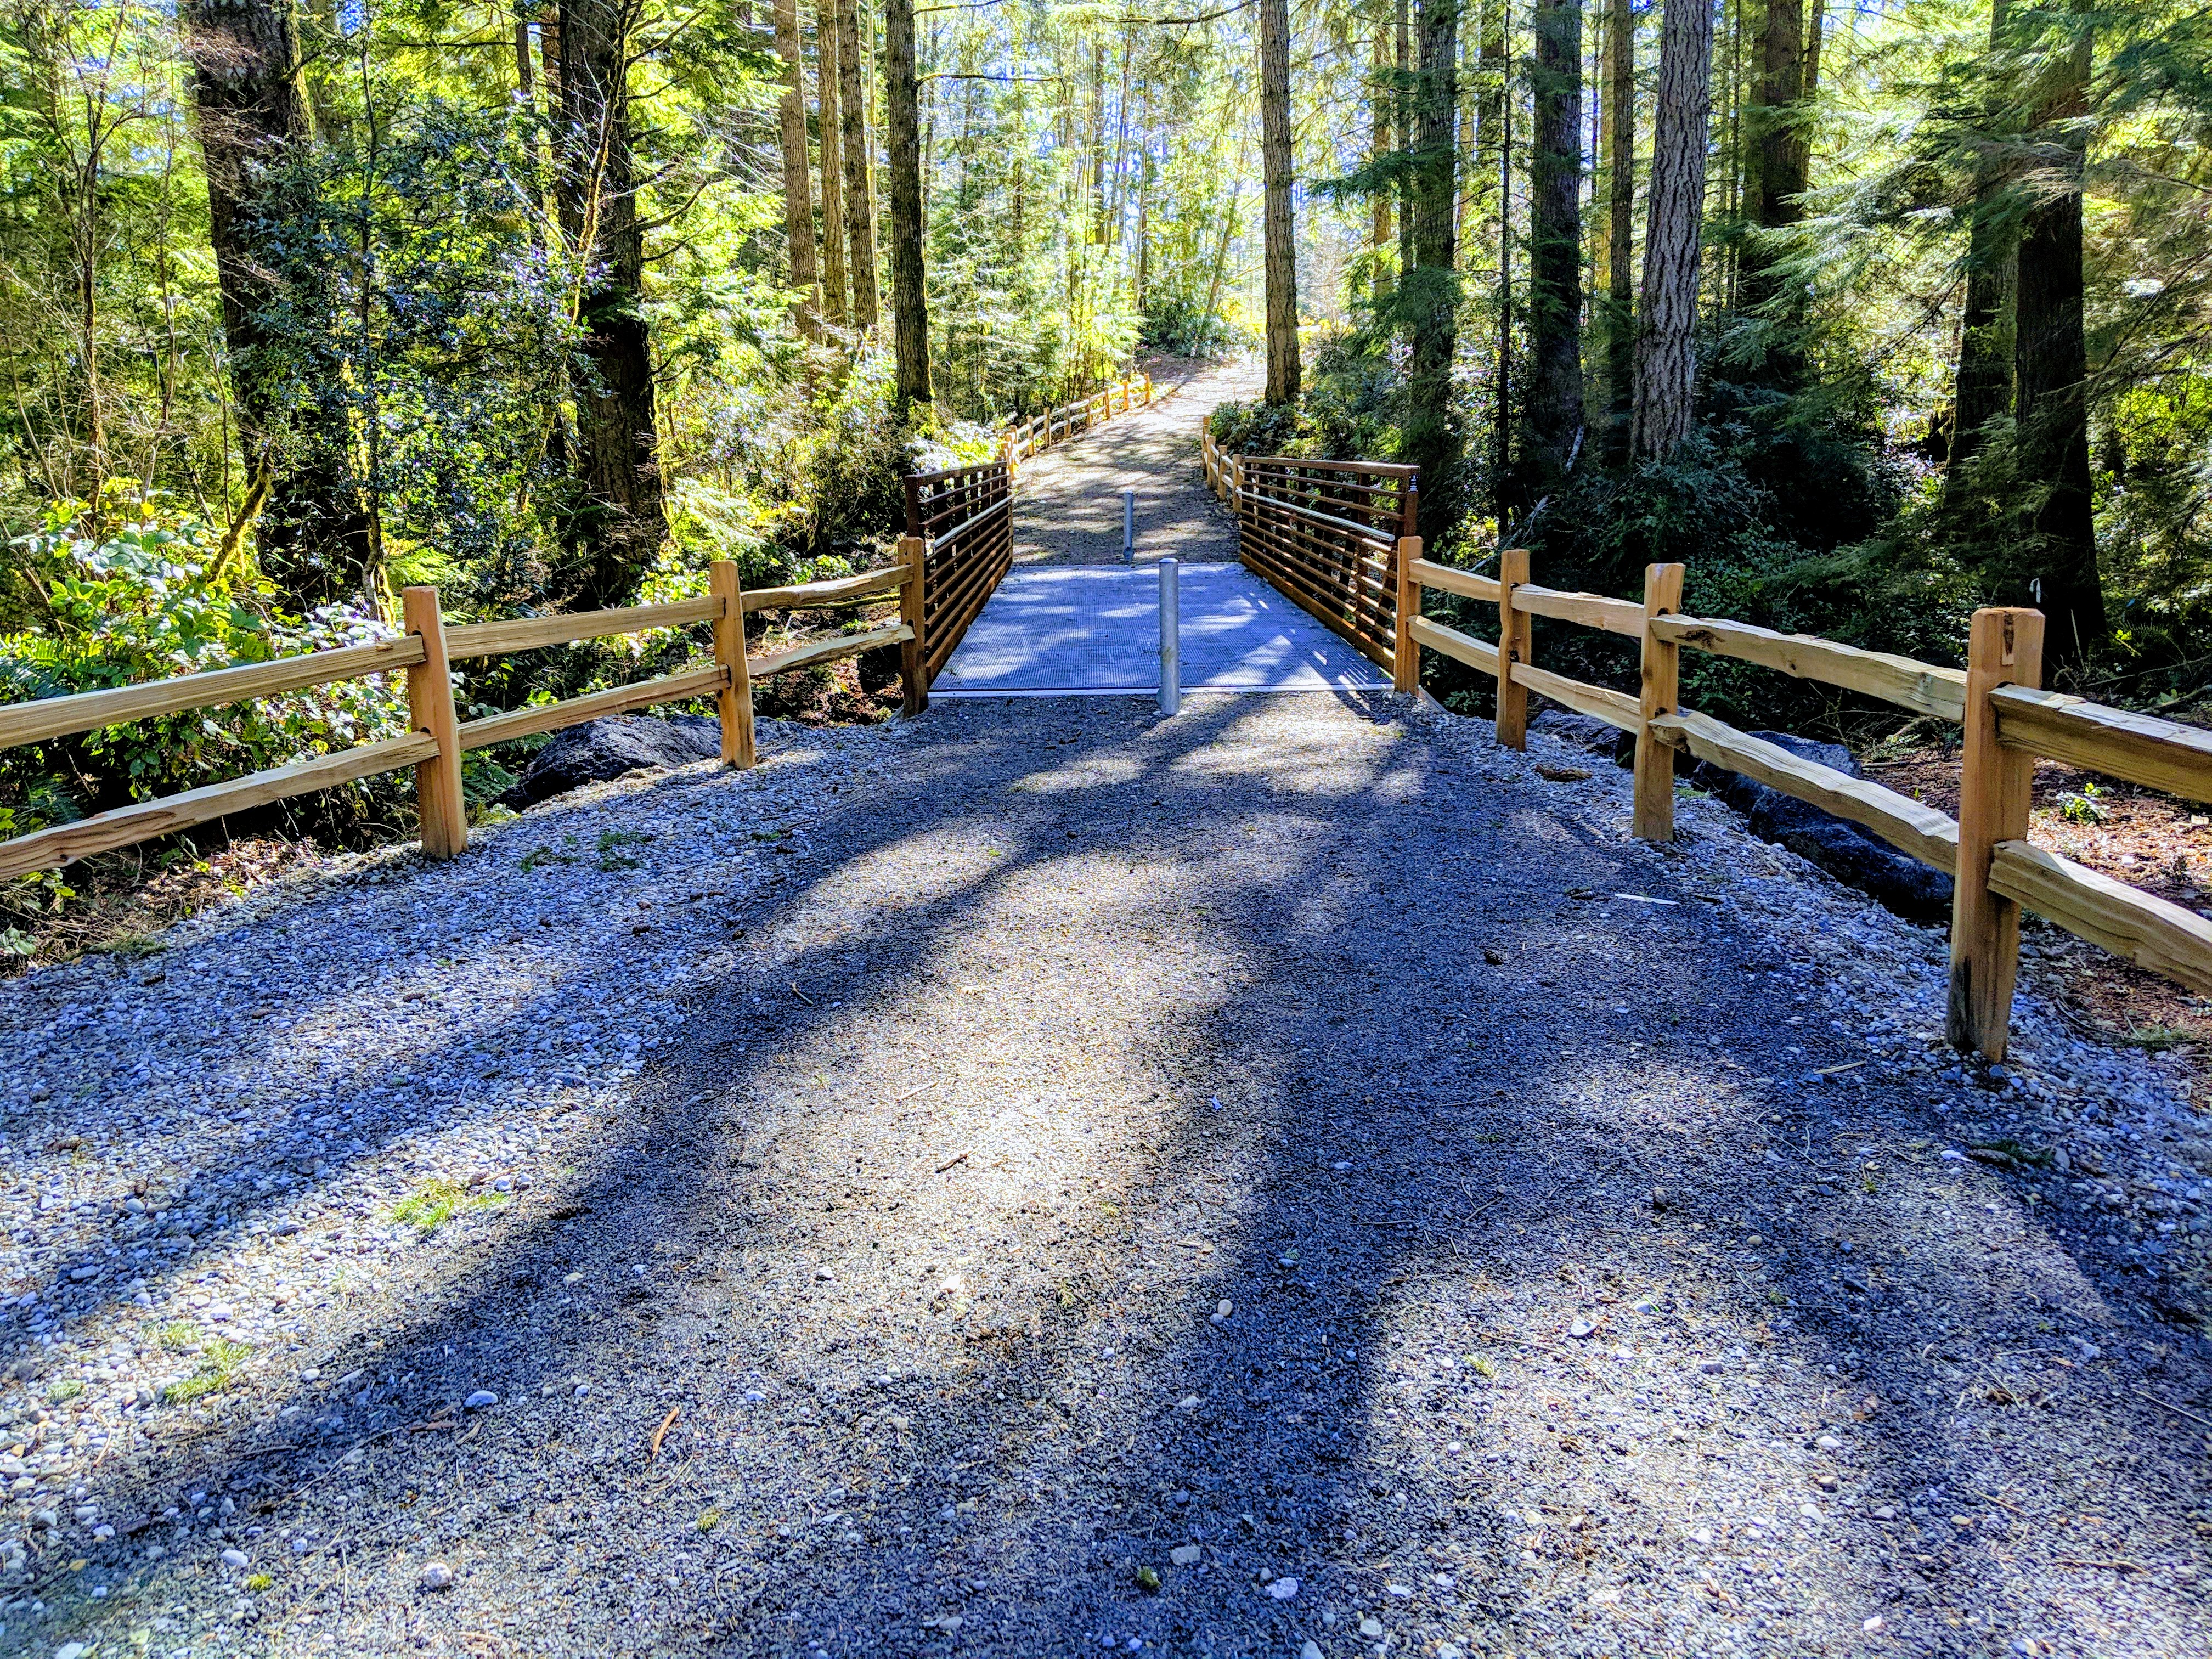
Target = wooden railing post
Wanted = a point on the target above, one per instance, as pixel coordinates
(1404, 655)
(2004, 647)
(735, 701)
(440, 808)
(1515, 633)
(1660, 695)
(912, 681)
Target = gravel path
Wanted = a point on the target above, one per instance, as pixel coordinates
(1067, 509)
(1045, 1178)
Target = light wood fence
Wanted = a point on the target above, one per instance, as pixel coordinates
(960, 530)
(434, 746)
(2007, 724)
(1057, 425)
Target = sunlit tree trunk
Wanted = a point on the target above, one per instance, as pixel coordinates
(1429, 293)
(1776, 169)
(860, 182)
(620, 524)
(1279, 252)
(1378, 111)
(798, 177)
(830, 129)
(1620, 214)
(1983, 385)
(1554, 412)
(2051, 361)
(1666, 340)
(902, 144)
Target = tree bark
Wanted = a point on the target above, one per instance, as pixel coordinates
(313, 534)
(1780, 157)
(620, 524)
(903, 140)
(1554, 412)
(1620, 214)
(1278, 239)
(798, 177)
(1666, 340)
(2050, 362)
(1378, 109)
(1983, 388)
(1429, 294)
(830, 126)
(1496, 117)
(860, 172)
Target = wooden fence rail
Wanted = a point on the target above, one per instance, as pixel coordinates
(2008, 722)
(1041, 431)
(960, 531)
(438, 738)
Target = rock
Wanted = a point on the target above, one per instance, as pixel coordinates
(1852, 855)
(1283, 1589)
(1371, 1628)
(1584, 731)
(1581, 1328)
(1184, 1555)
(480, 1398)
(1310, 1649)
(1875, 1626)
(235, 1557)
(436, 1576)
(601, 750)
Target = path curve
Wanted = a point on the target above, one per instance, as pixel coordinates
(1067, 500)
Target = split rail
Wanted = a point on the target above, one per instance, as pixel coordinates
(433, 746)
(960, 531)
(1056, 425)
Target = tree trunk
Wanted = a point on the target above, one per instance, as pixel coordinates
(1620, 210)
(1279, 245)
(313, 534)
(1497, 117)
(1429, 293)
(1378, 110)
(1983, 387)
(621, 524)
(903, 140)
(860, 180)
(1666, 340)
(2050, 364)
(830, 137)
(798, 177)
(1554, 412)
(1404, 133)
(1780, 158)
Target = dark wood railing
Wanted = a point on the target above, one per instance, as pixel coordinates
(1331, 535)
(960, 525)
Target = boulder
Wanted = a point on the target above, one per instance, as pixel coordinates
(600, 750)
(1584, 731)
(1853, 856)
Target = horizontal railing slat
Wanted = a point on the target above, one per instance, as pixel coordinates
(599, 705)
(1611, 706)
(2158, 754)
(1465, 583)
(2146, 930)
(1460, 648)
(89, 711)
(493, 638)
(1907, 824)
(838, 590)
(1589, 609)
(821, 651)
(1916, 685)
(50, 849)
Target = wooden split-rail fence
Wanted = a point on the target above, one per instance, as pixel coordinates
(1056, 425)
(1300, 527)
(959, 538)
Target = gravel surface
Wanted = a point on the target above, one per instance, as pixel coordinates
(1043, 1177)
(1067, 507)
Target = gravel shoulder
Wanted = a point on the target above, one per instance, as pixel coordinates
(1044, 1177)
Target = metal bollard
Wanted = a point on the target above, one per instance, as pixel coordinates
(1128, 526)
(1170, 638)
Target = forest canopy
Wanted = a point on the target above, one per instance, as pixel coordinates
(1868, 315)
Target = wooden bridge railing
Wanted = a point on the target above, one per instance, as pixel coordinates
(2009, 723)
(1330, 535)
(960, 530)
(1041, 431)
(438, 738)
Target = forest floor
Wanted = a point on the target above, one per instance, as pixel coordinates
(1287, 1179)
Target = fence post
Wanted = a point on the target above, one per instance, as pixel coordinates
(1661, 695)
(1405, 654)
(440, 808)
(1515, 635)
(734, 704)
(2004, 647)
(912, 681)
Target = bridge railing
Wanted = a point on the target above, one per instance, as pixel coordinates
(438, 736)
(1056, 425)
(2007, 724)
(1330, 536)
(960, 532)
